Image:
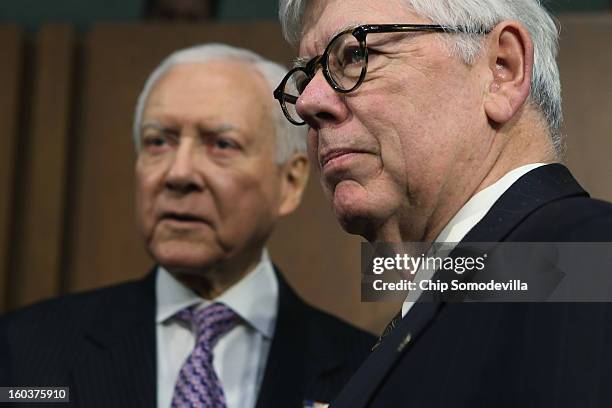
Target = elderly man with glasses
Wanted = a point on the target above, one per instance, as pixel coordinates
(439, 121)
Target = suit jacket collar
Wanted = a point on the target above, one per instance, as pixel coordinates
(368, 378)
(532, 191)
(116, 320)
(297, 354)
(119, 367)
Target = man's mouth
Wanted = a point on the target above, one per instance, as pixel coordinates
(182, 217)
(334, 155)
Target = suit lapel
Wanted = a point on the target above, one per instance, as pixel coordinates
(119, 367)
(532, 191)
(372, 372)
(295, 356)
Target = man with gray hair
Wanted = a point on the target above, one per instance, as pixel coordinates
(214, 324)
(439, 121)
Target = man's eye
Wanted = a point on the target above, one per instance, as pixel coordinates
(225, 144)
(352, 55)
(154, 141)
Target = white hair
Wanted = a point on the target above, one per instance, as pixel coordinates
(474, 15)
(290, 139)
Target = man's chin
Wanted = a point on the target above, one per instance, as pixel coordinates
(354, 217)
(184, 257)
(186, 268)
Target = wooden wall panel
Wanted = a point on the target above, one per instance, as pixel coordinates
(586, 63)
(11, 55)
(37, 273)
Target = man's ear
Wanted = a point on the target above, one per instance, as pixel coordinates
(294, 173)
(509, 55)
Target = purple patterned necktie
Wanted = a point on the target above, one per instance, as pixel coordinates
(197, 384)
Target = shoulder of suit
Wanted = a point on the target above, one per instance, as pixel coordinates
(338, 332)
(572, 219)
(68, 311)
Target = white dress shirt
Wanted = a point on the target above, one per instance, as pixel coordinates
(468, 216)
(240, 355)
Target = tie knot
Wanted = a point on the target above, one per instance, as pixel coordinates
(211, 322)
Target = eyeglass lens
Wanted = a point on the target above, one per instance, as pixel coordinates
(345, 65)
(346, 61)
(294, 86)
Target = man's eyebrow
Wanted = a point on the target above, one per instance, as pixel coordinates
(303, 60)
(222, 128)
(342, 28)
(300, 61)
(157, 126)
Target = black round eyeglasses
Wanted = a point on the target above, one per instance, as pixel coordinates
(344, 62)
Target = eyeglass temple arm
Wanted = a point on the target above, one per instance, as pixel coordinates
(377, 28)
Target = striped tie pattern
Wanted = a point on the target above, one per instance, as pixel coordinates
(197, 384)
(388, 329)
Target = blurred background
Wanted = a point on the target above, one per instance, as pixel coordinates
(81, 14)
(71, 71)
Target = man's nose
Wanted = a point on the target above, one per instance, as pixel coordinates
(184, 174)
(319, 104)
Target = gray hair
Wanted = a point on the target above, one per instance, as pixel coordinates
(290, 139)
(474, 15)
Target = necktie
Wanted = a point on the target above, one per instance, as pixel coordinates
(390, 326)
(197, 384)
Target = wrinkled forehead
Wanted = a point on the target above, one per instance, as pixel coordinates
(323, 19)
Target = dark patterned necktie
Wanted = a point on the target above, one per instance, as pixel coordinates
(197, 384)
(390, 326)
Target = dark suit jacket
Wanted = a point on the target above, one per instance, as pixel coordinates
(503, 354)
(102, 345)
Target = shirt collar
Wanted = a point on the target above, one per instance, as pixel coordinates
(254, 298)
(479, 205)
(472, 212)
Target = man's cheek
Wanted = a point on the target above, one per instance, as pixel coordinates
(145, 212)
(313, 150)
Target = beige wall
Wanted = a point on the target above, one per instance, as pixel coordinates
(586, 63)
(66, 190)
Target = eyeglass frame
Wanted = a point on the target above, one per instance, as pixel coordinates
(360, 33)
